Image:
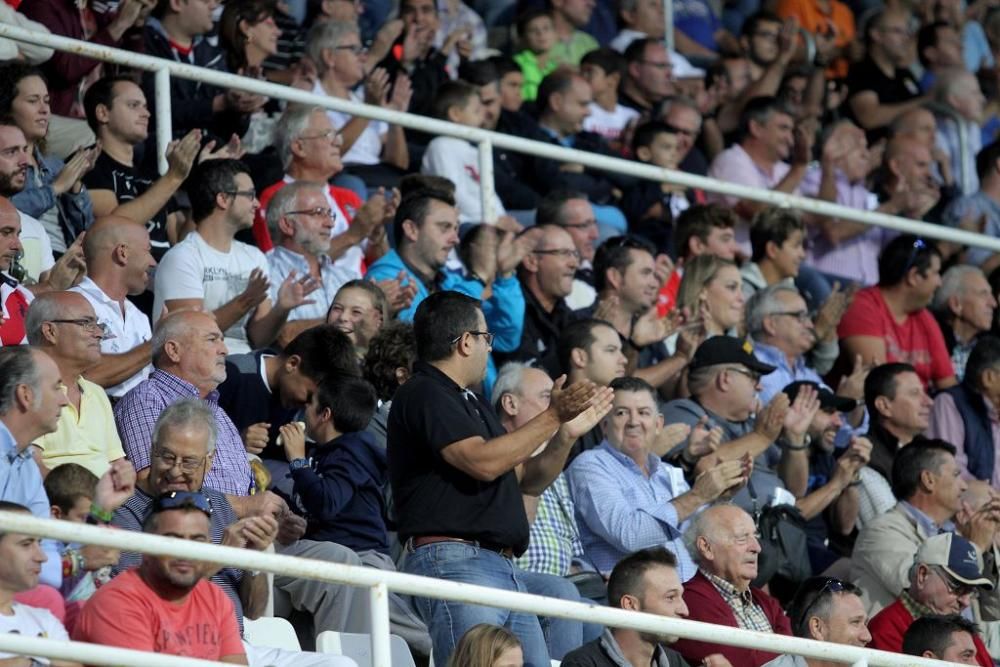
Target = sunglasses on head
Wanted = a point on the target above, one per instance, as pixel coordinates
(176, 500)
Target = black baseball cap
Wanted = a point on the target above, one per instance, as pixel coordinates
(728, 350)
(827, 399)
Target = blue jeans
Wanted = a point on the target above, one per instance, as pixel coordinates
(448, 620)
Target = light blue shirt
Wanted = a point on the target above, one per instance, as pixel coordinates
(21, 483)
(281, 261)
(620, 511)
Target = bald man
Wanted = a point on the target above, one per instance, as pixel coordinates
(919, 123)
(907, 165)
(64, 325)
(119, 261)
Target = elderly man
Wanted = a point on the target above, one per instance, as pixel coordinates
(183, 448)
(31, 403)
(189, 359)
(959, 93)
(899, 410)
(119, 261)
(646, 581)
(929, 486)
(613, 524)
(572, 211)
(827, 610)
(946, 574)
(64, 325)
(723, 541)
(444, 441)
(966, 414)
(963, 305)
(890, 321)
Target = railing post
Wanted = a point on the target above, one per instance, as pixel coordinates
(668, 20)
(381, 647)
(164, 120)
(487, 186)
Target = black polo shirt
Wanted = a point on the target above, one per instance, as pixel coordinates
(866, 75)
(429, 412)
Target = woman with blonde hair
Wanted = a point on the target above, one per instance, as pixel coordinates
(712, 290)
(486, 645)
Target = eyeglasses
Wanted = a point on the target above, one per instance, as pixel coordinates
(318, 211)
(690, 134)
(629, 241)
(326, 134)
(188, 464)
(485, 334)
(249, 194)
(586, 224)
(356, 49)
(754, 377)
(565, 253)
(90, 325)
(822, 586)
(955, 588)
(176, 500)
(802, 316)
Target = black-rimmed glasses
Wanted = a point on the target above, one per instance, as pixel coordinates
(565, 253)
(187, 464)
(485, 334)
(249, 194)
(318, 211)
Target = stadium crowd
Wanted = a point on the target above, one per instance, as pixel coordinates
(305, 336)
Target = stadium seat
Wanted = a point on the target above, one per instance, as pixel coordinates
(359, 648)
(272, 632)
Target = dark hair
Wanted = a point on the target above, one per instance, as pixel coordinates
(394, 346)
(351, 401)
(933, 633)
(231, 38)
(556, 83)
(646, 133)
(609, 60)
(7, 506)
(759, 110)
(986, 159)
(402, 7)
(615, 253)
(416, 206)
(627, 576)
(634, 385)
(927, 37)
(985, 355)
(698, 222)
(440, 319)
(752, 22)
(815, 598)
(881, 381)
(67, 483)
(505, 65)
(452, 94)
(11, 74)
(208, 180)
(578, 334)
(478, 72)
(921, 455)
(900, 255)
(550, 207)
(412, 183)
(101, 92)
(527, 16)
(636, 51)
(773, 225)
(324, 350)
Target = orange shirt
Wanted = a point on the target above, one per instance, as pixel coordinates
(840, 22)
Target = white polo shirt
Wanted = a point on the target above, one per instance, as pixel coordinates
(128, 332)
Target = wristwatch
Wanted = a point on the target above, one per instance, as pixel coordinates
(298, 464)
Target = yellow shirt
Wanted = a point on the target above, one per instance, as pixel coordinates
(88, 438)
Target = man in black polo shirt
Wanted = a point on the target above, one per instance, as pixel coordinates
(457, 476)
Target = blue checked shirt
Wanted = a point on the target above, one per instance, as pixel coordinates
(619, 510)
(554, 540)
(136, 414)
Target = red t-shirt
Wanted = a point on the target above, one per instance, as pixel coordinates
(917, 341)
(889, 625)
(14, 302)
(126, 613)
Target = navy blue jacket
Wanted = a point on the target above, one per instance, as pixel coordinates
(979, 446)
(340, 493)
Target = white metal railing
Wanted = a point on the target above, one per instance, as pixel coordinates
(381, 582)
(485, 139)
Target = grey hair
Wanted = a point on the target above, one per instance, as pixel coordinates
(186, 412)
(169, 328)
(951, 83)
(292, 125)
(671, 101)
(17, 367)
(700, 378)
(700, 526)
(44, 308)
(285, 200)
(508, 381)
(952, 284)
(327, 35)
(763, 304)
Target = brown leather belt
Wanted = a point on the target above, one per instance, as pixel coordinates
(424, 540)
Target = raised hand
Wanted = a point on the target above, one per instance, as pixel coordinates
(399, 292)
(483, 254)
(115, 486)
(568, 402)
(715, 481)
(704, 439)
(651, 328)
(255, 437)
(828, 318)
(293, 292)
(70, 268)
(853, 385)
(513, 248)
(181, 154)
(771, 419)
(801, 412)
(402, 93)
(293, 440)
(670, 436)
(376, 88)
(256, 290)
(232, 150)
(599, 407)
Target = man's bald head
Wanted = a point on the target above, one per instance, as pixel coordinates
(119, 256)
(109, 232)
(7, 208)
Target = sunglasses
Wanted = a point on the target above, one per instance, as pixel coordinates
(177, 500)
(822, 586)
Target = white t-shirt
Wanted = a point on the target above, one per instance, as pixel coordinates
(192, 269)
(367, 148)
(37, 247)
(458, 161)
(31, 622)
(608, 124)
(127, 332)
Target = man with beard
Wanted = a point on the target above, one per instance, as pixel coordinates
(645, 581)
